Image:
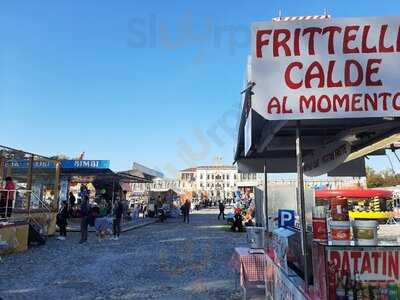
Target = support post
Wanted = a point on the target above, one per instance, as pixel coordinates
(113, 191)
(266, 205)
(2, 166)
(300, 200)
(29, 184)
(57, 185)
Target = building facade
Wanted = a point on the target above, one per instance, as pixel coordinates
(221, 182)
(217, 182)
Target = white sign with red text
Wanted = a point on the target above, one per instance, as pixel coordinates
(374, 264)
(343, 68)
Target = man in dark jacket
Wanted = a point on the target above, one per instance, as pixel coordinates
(221, 210)
(62, 217)
(186, 211)
(117, 212)
(84, 219)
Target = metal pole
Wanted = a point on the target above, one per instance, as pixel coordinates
(300, 199)
(57, 186)
(29, 184)
(113, 187)
(2, 165)
(266, 204)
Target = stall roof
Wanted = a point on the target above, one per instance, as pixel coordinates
(275, 141)
(166, 190)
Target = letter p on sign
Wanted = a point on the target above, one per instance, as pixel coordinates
(285, 218)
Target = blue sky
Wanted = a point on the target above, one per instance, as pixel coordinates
(155, 82)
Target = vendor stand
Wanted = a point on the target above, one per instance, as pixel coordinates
(166, 199)
(29, 214)
(368, 204)
(311, 107)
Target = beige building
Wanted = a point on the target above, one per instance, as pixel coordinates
(222, 181)
(218, 181)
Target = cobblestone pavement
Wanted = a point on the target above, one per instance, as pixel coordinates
(168, 260)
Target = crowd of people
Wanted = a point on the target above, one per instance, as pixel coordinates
(101, 207)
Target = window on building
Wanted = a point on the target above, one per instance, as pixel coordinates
(201, 176)
(212, 176)
(208, 176)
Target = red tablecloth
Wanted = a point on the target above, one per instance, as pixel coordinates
(250, 266)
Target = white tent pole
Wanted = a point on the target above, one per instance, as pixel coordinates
(300, 200)
(266, 203)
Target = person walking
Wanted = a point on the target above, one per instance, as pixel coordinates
(84, 219)
(117, 213)
(221, 210)
(62, 217)
(72, 201)
(7, 198)
(186, 211)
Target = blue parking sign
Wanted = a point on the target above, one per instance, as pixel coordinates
(286, 218)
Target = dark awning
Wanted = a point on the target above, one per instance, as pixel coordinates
(275, 141)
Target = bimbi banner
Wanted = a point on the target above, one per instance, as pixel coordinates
(329, 68)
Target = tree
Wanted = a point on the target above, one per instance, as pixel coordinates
(382, 179)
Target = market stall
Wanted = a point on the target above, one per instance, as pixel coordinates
(361, 203)
(29, 183)
(166, 199)
(322, 109)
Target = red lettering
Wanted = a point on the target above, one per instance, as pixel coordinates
(375, 256)
(382, 47)
(398, 40)
(356, 101)
(274, 104)
(318, 74)
(364, 46)
(345, 262)
(260, 42)
(311, 31)
(371, 70)
(384, 100)
(384, 264)
(331, 30)
(285, 110)
(366, 263)
(329, 81)
(396, 105)
(347, 73)
(281, 43)
(328, 104)
(393, 264)
(372, 101)
(349, 37)
(355, 255)
(288, 80)
(337, 101)
(335, 259)
(296, 42)
(306, 103)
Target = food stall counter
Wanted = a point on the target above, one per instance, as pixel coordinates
(357, 272)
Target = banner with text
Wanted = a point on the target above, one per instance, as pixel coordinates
(314, 69)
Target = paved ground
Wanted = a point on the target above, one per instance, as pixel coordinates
(161, 261)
